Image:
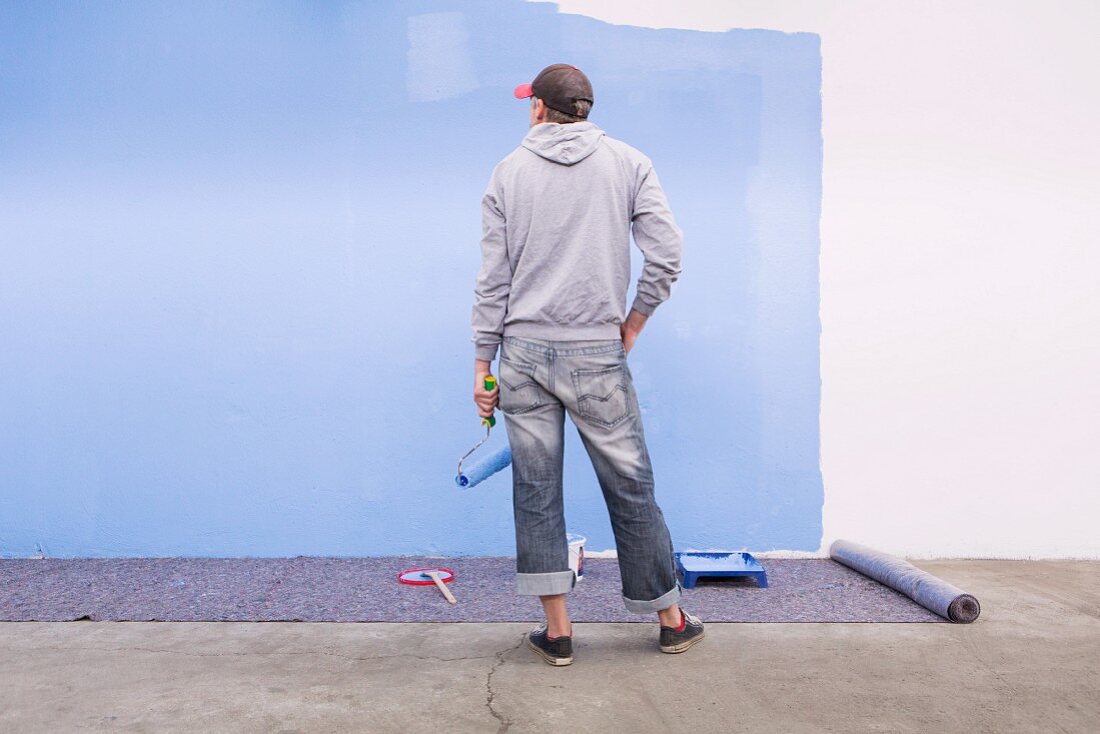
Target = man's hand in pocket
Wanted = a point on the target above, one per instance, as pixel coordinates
(631, 328)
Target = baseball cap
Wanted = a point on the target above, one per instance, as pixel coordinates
(558, 85)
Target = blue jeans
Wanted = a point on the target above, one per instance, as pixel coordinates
(539, 381)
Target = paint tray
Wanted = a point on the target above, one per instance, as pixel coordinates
(695, 566)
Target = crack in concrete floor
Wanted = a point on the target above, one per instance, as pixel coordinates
(505, 722)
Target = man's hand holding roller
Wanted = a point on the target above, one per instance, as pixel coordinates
(486, 400)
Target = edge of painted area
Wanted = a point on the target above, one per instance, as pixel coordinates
(601, 10)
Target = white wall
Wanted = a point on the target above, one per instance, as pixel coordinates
(960, 313)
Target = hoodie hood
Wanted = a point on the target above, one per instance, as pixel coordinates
(565, 144)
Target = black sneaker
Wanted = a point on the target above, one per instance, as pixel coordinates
(555, 651)
(674, 640)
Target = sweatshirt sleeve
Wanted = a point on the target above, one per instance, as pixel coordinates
(659, 239)
(494, 281)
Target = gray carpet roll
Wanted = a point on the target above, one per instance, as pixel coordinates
(930, 592)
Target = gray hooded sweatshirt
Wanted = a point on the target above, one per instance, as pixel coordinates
(557, 217)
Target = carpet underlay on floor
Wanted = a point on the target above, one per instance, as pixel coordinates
(324, 589)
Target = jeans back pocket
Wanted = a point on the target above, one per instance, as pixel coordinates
(519, 392)
(602, 395)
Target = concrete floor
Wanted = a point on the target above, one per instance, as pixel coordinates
(1029, 664)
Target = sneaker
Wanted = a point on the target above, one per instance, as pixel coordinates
(554, 650)
(675, 640)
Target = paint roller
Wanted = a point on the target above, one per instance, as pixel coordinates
(491, 464)
(932, 593)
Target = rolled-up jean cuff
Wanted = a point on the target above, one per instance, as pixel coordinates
(662, 602)
(545, 584)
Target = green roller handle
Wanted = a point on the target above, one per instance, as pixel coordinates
(490, 383)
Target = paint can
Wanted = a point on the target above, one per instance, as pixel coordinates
(576, 553)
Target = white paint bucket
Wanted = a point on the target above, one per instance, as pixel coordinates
(576, 553)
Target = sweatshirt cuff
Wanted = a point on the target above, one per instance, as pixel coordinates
(488, 353)
(642, 307)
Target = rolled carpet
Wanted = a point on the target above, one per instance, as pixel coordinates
(485, 468)
(930, 592)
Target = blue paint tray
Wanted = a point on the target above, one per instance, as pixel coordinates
(738, 563)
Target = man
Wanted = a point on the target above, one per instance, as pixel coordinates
(551, 293)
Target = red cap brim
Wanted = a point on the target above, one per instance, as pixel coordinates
(523, 91)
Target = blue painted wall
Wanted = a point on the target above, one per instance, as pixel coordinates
(237, 257)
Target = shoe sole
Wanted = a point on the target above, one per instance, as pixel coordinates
(547, 657)
(673, 649)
